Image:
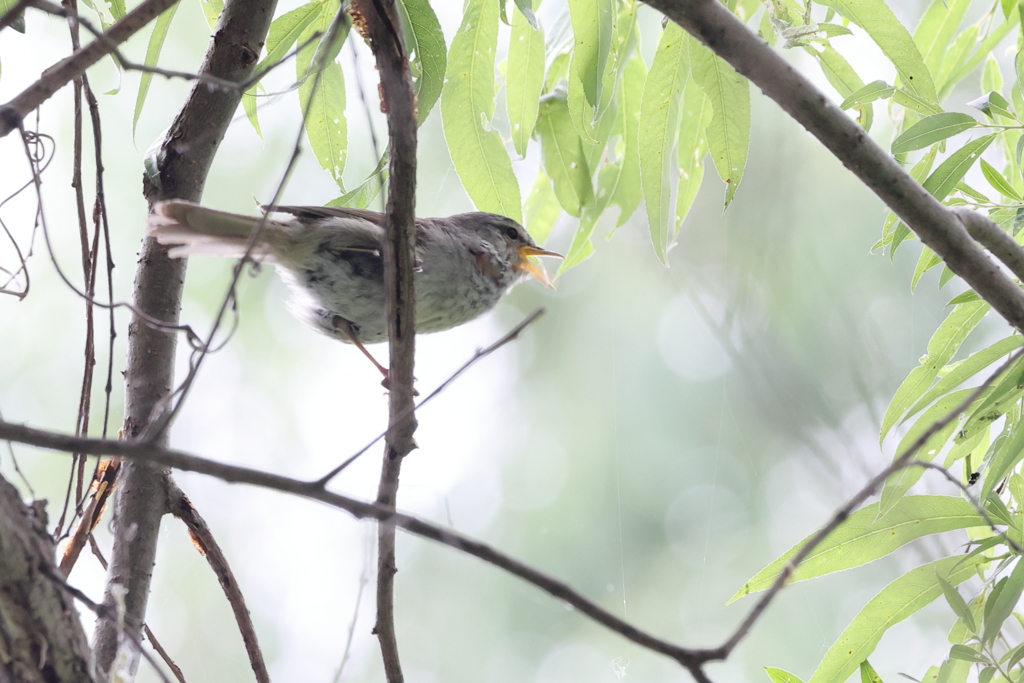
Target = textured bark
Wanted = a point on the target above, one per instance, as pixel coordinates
(41, 636)
(182, 163)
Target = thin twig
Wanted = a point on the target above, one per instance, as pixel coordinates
(512, 335)
(152, 453)
(182, 508)
(59, 75)
(904, 460)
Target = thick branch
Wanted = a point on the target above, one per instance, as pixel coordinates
(938, 227)
(380, 24)
(182, 163)
(62, 73)
(41, 635)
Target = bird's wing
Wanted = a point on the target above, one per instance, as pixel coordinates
(374, 217)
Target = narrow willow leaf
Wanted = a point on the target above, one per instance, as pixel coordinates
(541, 210)
(624, 190)
(525, 79)
(996, 180)
(1001, 606)
(992, 39)
(945, 342)
(897, 485)
(956, 603)
(969, 367)
(285, 30)
(1004, 456)
(562, 151)
(912, 100)
(900, 231)
(323, 97)
(582, 246)
(360, 197)
(467, 106)
(932, 129)
(875, 90)
(936, 30)
(843, 78)
(211, 11)
(658, 127)
(925, 262)
(956, 55)
(951, 171)
(428, 55)
(781, 676)
(728, 134)
(156, 43)
(868, 673)
(526, 8)
(249, 105)
(692, 147)
(995, 401)
(864, 537)
(897, 601)
(593, 25)
(875, 17)
(967, 654)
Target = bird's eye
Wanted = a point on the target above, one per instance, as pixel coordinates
(512, 233)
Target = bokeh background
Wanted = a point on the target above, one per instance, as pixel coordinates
(655, 439)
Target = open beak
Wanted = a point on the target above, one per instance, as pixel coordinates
(532, 268)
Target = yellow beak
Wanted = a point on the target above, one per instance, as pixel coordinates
(532, 268)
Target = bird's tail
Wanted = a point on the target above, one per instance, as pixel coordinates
(197, 230)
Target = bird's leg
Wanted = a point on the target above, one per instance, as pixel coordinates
(345, 327)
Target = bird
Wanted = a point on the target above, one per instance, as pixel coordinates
(331, 259)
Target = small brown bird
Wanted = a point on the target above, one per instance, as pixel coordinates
(331, 259)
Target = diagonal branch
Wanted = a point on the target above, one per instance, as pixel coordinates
(62, 73)
(151, 453)
(937, 226)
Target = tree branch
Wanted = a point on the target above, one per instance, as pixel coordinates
(181, 164)
(937, 226)
(158, 455)
(63, 72)
(378, 21)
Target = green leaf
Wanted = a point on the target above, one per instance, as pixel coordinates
(951, 171)
(897, 601)
(864, 537)
(993, 105)
(843, 78)
(958, 373)
(912, 100)
(692, 147)
(897, 485)
(526, 8)
(1000, 606)
(211, 11)
(956, 603)
(541, 211)
(428, 57)
(956, 55)
(156, 43)
(780, 676)
(658, 127)
(564, 160)
(868, 673)
(932, 129)
(996, 180)
(944, 343)
(467, 106)
(875, 17)
(875, 90)
(1004, 455)
(966, 653)
(925, 262)
(935, 31)
(323, 97)
(593, 25)
(582, 246)
(728, 134)
(624, 188)
(360, 197)
(249, 105)
(525, 79)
